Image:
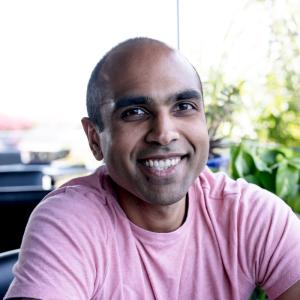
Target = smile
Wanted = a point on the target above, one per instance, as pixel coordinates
(161, 164)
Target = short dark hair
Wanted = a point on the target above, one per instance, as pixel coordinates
(94, 95)
(97, 86)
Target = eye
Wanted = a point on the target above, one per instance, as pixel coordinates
(134, 114)
(184, 107)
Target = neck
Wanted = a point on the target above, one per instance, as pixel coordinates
(153, 217)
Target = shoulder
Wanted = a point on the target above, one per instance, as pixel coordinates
(246, 214)
(81, 193)
(64, 248)
(79, 205)
(222, 190)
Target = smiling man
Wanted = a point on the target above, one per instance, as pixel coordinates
(154, 222)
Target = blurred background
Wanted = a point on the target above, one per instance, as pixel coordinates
(246, 52)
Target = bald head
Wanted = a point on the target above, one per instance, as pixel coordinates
(144, 52)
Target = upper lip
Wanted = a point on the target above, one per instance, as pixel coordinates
(162, 156)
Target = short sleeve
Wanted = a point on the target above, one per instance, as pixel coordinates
(274, 240)
(61, 250)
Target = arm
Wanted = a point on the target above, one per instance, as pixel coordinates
(293, 293)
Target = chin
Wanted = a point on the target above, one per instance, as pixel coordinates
(164, 198)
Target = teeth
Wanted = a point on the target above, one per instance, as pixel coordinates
(162, 164)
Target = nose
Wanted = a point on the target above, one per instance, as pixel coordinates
(163, 130)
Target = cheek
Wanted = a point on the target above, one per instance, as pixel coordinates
(201, 143)
(198, 133)
(124, 139)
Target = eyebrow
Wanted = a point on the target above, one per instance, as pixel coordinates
(131, 100)
(188, 94)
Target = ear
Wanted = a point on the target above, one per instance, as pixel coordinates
(93, 137)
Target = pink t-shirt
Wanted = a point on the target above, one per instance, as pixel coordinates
(79, 244)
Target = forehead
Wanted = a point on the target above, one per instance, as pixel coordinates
(149, 71)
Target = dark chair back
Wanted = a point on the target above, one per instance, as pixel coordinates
(15, 209)
(7, 261)
(21, 178)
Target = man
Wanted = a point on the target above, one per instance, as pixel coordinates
(155, 223)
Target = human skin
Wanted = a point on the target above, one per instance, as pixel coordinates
(153, 112)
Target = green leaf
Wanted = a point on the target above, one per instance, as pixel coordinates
(294, 203)
(267, 180)
(244, 163)
(288, 152)
(260, 164)
(234, 151)
(287, 177)
(280, 157)
(296, 206)
(269, 156)
(295, 161)
(252, 179)
(254, 151)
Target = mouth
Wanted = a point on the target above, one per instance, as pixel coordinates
(161, 164)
